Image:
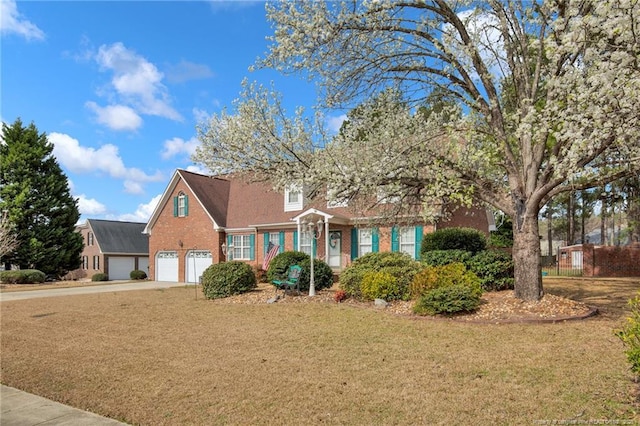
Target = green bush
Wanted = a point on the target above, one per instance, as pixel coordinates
(138, 275)
(22, 276)
(630, 336)
(494, 268)
(444, 257)
(100, 277)
(434, 277)
(279, 269)
(400, 265)
(449, 300)
(380, 285)
(227, 278)
(467, 239)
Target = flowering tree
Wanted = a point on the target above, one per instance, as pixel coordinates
(542, 98)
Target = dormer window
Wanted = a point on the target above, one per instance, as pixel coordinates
(293, 198)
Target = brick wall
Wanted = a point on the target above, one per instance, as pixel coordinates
(183, 234)
(611, 261)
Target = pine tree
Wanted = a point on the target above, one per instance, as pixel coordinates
(35, 193)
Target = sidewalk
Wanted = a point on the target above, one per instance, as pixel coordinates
(18, 408)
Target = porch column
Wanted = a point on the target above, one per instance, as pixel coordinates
(326, 240)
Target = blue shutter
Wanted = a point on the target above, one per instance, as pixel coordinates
(252, 247)
(266, 242)
(395, 243)
(418, 240)
(375, 240)
(354, 243)
(295, 240)
(229, 249)
(281, 242)
(175, 206)
(186, 205)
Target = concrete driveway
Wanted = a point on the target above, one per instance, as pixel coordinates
(72, 291)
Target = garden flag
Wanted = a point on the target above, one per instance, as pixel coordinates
(272, 250)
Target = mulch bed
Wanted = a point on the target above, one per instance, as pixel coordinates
(496, 307)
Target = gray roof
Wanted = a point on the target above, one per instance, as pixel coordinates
(120, 237)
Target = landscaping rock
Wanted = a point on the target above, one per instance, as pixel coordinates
(380, 303)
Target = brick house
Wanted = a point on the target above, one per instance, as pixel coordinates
(113, 248)
(202, 220)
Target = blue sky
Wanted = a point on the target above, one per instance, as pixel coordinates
(120, 86)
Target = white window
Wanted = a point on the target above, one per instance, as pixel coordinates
(241, 247)
(305, 242)
(274, 238)
(96, 262)
(407, 241)
(85, 262)
(293, 198)
(90, 239)
(365, 241)
(182, 211)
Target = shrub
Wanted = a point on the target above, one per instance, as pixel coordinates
(279, 269)
(449, 300)
(467, 239)
(100, 277)
(400, 265)
(261, 274)
(339, 296)
(494, 268)
(434, 277)
(227, 278)
(630, 336)
(22, 276)
(138, 275)
(444, 257)
(380, 285)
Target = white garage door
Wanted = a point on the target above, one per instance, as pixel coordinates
(167, 266)
(120, 267)
(143, 264)
(197, 261)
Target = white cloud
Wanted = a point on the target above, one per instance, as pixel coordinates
(334, 123)
(116, 117)
(200, 115)
(143, 212)
(106, 159)
(90, 206)
(12, 22)
(194, 168)
(176, 146)
(185, 71)
(137, 81)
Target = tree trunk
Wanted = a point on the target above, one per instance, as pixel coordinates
(526, 258)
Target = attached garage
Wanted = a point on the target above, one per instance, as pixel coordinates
(143, 264)
(196, 262)
(120, 268)
(167, 266)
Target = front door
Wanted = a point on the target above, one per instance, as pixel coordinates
(335, 249)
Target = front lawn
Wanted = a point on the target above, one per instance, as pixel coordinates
(164, 357)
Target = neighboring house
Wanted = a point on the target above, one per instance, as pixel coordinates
(202, 220)
(114, 248)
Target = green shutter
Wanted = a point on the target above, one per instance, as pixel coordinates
(418, 240)
(395, 243)
(252, 247)
(266, 242)
(375, 240)
(354, 243)
(295, 240)
(186, 205)
(281, 242)
(175, 206)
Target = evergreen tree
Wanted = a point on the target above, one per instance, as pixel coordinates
(35, 193)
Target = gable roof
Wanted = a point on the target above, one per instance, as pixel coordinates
(119, 237)
(212, 192)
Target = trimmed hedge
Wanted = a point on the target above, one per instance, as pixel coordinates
(380, 285)
(137, 274)
(494, 268)
(100, 277)
(445, 257)
(399, 265)
(279, 268)
(22, 276)
(447, 289)
(467, 239)
(227, 278)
